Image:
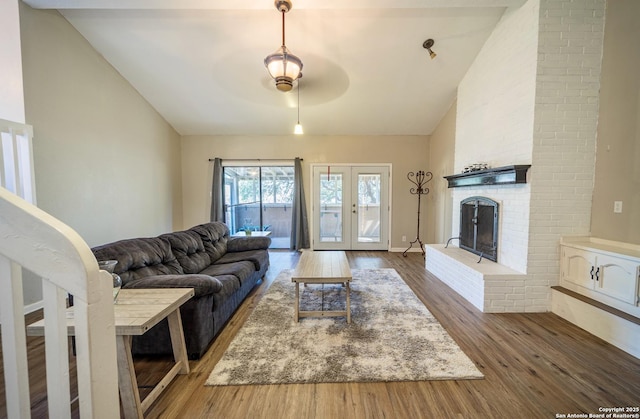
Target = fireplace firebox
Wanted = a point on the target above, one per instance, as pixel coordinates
(479, 227)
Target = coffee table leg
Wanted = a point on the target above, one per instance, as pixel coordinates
(127, 381)
(348, 303)
(297, 315)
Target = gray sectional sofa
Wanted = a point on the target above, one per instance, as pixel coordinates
(221, 269)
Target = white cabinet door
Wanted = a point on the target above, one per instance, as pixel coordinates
(617, 278)
(578, 267)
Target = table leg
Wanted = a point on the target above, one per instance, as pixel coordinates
(179, 355)
(348, 303)
(127, 381)
(177, 341)
(297, 315)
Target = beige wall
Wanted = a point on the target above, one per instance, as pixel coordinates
(441, 154)
(106, 163)
(405, 153)
(618, 152)
(11, 97)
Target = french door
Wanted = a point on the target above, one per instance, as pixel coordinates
(350, 207)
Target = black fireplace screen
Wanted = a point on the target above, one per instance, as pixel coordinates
(479, 226)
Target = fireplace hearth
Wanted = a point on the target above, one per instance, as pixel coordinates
(479, 226)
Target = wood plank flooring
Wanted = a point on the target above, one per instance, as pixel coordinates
(536, 366)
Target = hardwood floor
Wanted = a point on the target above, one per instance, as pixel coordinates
(536, 366)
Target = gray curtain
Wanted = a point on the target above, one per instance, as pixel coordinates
(299, 221)
(217, 200)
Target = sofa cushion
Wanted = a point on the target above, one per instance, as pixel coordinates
(230, 285)
(201, 284)
(139, 258)
(189, 250)
(260, 258)
(214, 237)
(241, 270)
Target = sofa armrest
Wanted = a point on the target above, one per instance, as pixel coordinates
(242, 244)
(202, 284)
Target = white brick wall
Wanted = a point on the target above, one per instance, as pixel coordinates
(531, 97)
(495, 108)
(458, 276)
(491, 287)
(494, 124)
(564, 138)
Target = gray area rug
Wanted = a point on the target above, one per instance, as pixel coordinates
(392, 337)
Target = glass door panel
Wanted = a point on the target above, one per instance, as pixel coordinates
(242, 198)
(331, 201)
(368, 208)
(331, 207)
(277, 204)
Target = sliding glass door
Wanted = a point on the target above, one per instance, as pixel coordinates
(259, 199)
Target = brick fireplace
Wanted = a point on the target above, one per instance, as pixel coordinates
(539, 105)
(495, 284)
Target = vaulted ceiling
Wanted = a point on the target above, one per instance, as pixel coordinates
(199, 63)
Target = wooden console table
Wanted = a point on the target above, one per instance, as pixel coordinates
(137, 311)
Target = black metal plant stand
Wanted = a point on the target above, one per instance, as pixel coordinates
(420, 178)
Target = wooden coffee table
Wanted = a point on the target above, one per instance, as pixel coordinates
(323, 268)
(137, 311)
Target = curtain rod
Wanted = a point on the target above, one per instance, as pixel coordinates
(257, 159)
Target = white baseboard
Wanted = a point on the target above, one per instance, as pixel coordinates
(30, 308)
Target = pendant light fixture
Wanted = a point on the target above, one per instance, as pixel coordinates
(283, 66)
(298, 128)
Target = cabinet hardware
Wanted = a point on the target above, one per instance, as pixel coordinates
(598, 274)
(592, 268)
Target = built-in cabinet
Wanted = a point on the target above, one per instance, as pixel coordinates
(603, 270)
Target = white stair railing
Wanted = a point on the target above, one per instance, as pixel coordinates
(33, 239)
